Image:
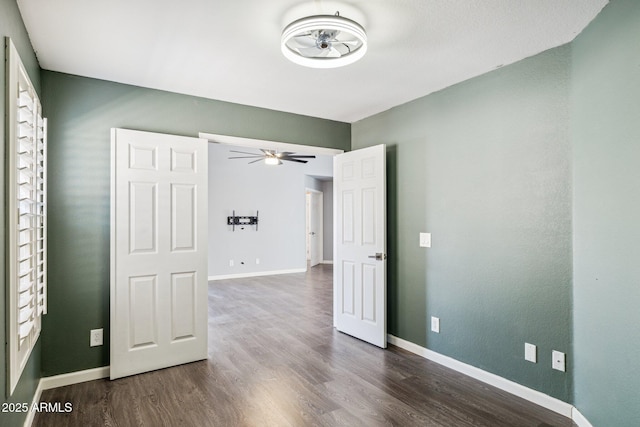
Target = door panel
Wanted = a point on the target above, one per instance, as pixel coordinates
(369, 293)
(143, 212)
(183, 308)
(183, 217)
(158, 251)
(143, 323)
(360, 267)
(368, 217)
(348, 288)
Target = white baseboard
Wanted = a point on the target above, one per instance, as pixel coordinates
(36, 399)
(534, 396)
(327, 261)
(62, 380)
(256, 274)
(579, 419)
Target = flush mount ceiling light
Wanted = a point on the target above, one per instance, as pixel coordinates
(324, 41)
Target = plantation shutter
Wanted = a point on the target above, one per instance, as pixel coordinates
(26, 216)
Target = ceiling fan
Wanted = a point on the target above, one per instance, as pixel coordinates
(324, 41)
(272, 157)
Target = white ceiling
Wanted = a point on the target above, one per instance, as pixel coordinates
(230, 49)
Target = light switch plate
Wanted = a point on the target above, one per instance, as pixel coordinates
(435, 324)
(530, 353)
(425, 240)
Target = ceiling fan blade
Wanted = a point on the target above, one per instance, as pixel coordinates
(255, 161)
(310, 52)
(304, 40)
(333, 53)
(349, 42)
(245, 157)
(244, 152)
(342, 48)
(289, 159)
(298, 156)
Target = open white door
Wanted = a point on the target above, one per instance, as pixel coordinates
(315, 228)
(360, 288)
(158, 251)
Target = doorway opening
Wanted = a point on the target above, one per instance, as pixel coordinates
(314, 227)
(241, 185)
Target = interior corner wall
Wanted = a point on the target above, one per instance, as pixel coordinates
(81, 112)
(606, 156)
(485, 167)
(11, 25)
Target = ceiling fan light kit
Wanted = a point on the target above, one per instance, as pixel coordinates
(272, 161)
(324, 41)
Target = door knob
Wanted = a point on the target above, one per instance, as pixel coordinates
(379, 256)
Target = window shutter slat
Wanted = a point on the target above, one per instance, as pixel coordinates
(25, 329)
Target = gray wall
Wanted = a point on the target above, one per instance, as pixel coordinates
(606, 162)
(278, 192)
(11, 25)
(81, 112)
(485, 167)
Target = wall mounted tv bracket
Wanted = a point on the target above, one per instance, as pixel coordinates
(241, 221)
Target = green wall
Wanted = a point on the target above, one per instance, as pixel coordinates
(606, 158)
(81, 112)
(485, 167)
(11, 25)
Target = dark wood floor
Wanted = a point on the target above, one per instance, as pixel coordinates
(275, 360)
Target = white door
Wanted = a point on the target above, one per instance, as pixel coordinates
(360, 290)
(315, 228)
(158, 251)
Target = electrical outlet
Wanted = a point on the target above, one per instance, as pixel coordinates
(231, 263)
(95, 338)
(558, 361)
(530, 353)
(425, 240)
(435, 324)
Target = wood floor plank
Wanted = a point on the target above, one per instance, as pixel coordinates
(275, 360)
